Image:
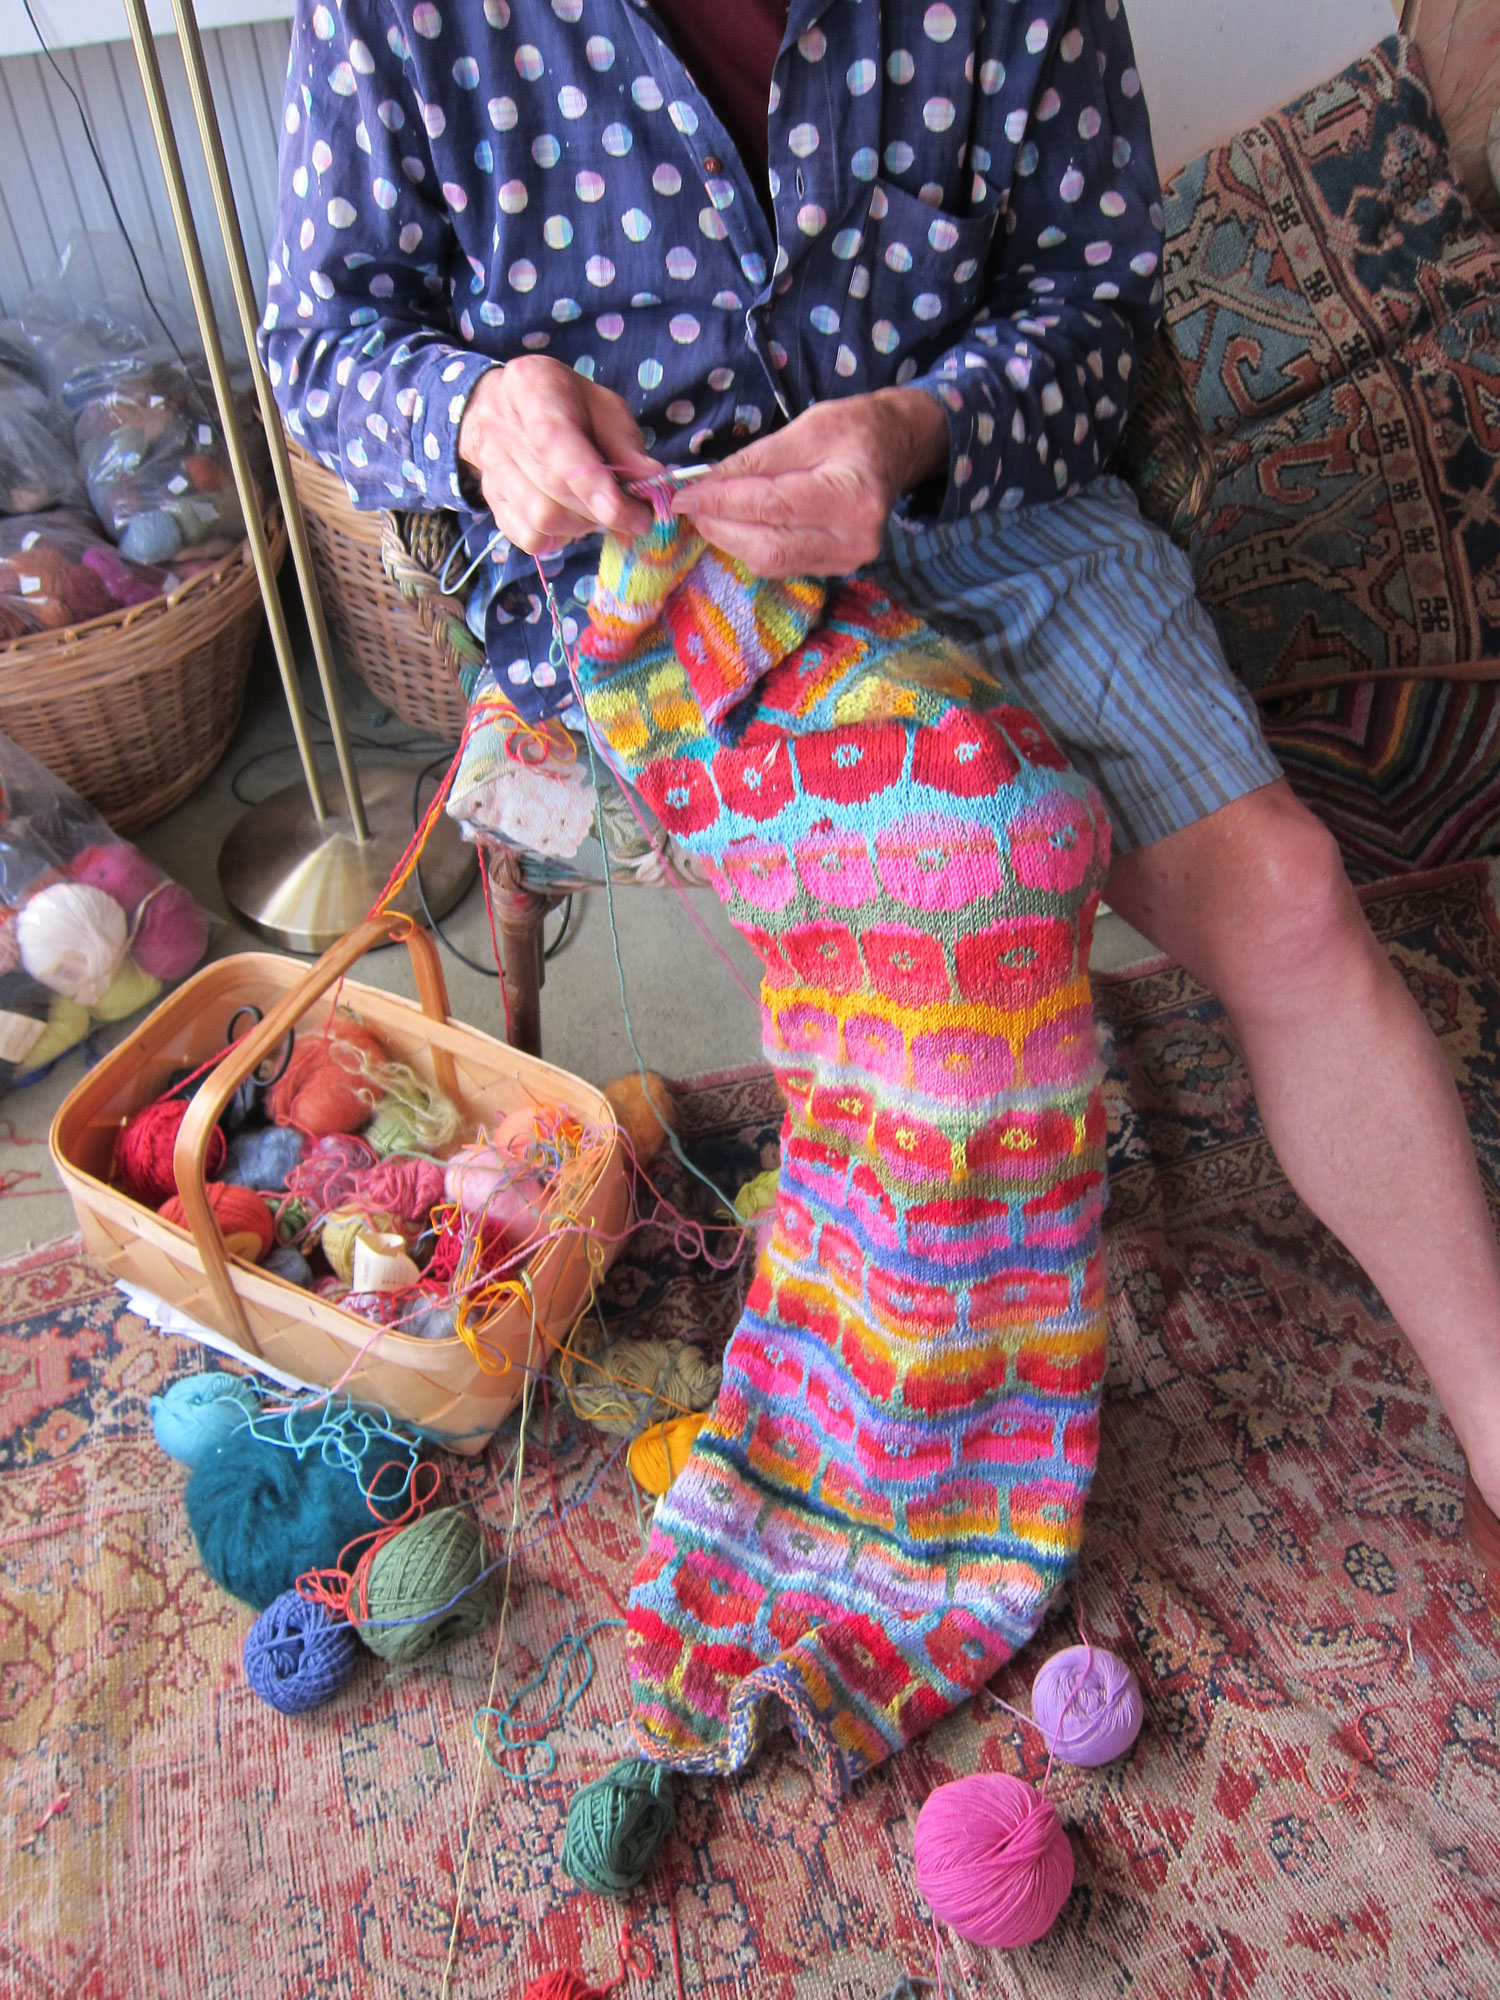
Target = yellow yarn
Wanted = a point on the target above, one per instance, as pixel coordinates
(67, 1024)
(756, 1196)
(659, 1454)
(632, 1379)
(131, 990)
(340, 1228)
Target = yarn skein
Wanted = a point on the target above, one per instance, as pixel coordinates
(67, 1024)
(657, 1456)
(992, 1859)
(325, 1088)
(72, 937)
(404, 1597)
(143, 1156)
(193, 1416)
(1087, 1703)
(171, 932)
(630, 1378)
(263, 1159)
(297, 1656)
(243, 1218)
(617, 1825)
(414, 1116)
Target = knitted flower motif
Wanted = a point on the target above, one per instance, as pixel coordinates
(754, 779)
(714, 1592)
(938, 863)
(825, 955)
(864, 1659)
(964, 1650)
(1029, 737)
(835, 867)
(681, 794)
(1061, 1052)
(1019, 1144)
(842, 1108)
(1009, 963)
(1052, 842)
(906, 966)
(964, 755)
(911, 1146)
(758, 872)
(851, 765)
(959, 1063)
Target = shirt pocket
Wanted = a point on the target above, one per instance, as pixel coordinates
(918, 274)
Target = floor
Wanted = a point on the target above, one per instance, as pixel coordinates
(680, 1030)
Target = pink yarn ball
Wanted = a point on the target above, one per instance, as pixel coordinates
(172, 934)
(992, 1860)
(494, 1187)
(1087, 1703)
(120, 870)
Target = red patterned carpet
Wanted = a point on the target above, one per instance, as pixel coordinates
(1273, 1542)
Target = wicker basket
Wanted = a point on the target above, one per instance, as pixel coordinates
(134, 710)
(374, 625)
(435, 1384)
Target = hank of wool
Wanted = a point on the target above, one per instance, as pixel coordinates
(414, 1116)
(632, 1379)
(644, 1111)
(660, 1452)
(143, 1154)
(326, 1088)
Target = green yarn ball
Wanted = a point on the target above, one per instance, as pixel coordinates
(291, 1219)
(390, 1131)
(617, 1824)
(413, 1576)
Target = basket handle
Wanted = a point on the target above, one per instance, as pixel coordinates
(190, 1155)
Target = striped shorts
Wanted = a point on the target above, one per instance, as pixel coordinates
(1087, 613)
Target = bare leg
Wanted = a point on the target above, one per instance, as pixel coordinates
(1352, 1087)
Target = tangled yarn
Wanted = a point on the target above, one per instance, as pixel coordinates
(657, 1456)
(631, 1378)
(143, 1155)
(192, 1418)
(616, 1826)
(403, 1605)
(326, 1088)
(324, 1179)
(1087, 1703)
(992, 1859)
(243, 1218)
(405, 1190)
(297, 1656)
(414, 1116)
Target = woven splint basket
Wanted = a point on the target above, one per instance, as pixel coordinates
(437, 1385)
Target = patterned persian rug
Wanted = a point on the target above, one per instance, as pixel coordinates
(1313, 1809)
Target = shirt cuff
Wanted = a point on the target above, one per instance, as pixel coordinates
(966, 398)
(445, 382)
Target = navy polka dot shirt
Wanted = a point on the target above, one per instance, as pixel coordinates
(964, 198)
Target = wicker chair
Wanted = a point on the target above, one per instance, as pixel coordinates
(1163, 455)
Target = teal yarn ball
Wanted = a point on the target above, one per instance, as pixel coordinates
(616, 1826)
(193, 1417)
(262, 1514)
(422, 1588)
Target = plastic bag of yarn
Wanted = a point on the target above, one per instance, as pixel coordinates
(38, 466)
(57, 569)
(85, 917)
(277, 1499)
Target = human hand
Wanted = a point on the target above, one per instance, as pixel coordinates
(813, 499)
(539, 438)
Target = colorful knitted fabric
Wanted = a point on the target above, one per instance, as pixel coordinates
(891, 1485)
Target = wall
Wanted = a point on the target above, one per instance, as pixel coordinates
(51, 186)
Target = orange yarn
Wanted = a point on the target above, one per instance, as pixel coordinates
(243, 1218)
(143, 1156)
(325, 1088)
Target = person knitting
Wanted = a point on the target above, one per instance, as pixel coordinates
(908, 668)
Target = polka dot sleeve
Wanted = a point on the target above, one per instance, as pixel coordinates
(1038, 389)
(357, 332)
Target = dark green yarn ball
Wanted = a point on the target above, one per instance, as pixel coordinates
(616, 1826)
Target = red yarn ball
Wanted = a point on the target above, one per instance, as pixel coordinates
(561, 1985)
(143, 1156)
(325, 1089)
(244, 1220)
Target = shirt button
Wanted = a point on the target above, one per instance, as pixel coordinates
(712, 164)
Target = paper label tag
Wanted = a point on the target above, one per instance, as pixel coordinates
(17, 1034)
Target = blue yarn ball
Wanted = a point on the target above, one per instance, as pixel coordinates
(263, 1159)
(286, 1261)
(262, 1514)
(297, 1656)
(153, 537)
(196, 1414)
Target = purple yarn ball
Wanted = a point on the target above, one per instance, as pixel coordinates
(297, 1656)
(1087, 1705)
(172, 935)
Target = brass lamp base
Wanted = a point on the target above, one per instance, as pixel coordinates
(303, 882)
